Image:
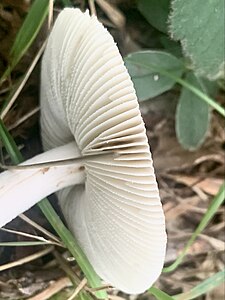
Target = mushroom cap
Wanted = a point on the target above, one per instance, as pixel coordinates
(87, 95)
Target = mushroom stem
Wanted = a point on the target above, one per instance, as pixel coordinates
(21, 189)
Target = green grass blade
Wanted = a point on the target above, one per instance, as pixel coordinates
(65, 235)
(159, 295)
(27, 33)
(216, 203)
(204, 287)
(201, 95)
(29, 29)
(5, 75)
(183, 83)
(70, 243)
(10, 145)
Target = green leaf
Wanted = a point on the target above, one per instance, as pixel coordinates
(202, 95)
(171, 46)
(29, 30)
(192, 116)
(156, 12)
(159, 295)
(140, 65)
(211, 211)
(199, 25)
(204, 287)
(210, 86)
(145, 69)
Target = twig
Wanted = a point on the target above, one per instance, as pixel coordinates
(78, 289)
(113, 13)
(23, 82)
(103, 287)
(50, 13)
(26, 259)
(39, 227)
(56, 163)
(92, 7)
(54, 288)
(24, 118)
(39, 238)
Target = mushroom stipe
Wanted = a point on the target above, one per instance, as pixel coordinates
(111, 203)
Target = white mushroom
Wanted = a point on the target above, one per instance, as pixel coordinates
(112, 204)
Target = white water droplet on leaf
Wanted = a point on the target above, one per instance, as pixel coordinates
(156, 77)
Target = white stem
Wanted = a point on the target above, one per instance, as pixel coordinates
(21, 189)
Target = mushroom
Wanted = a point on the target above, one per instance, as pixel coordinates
(110, 197)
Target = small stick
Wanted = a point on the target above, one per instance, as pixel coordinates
(26, 259)
(53, 289)
(23, 82)
(92, 7)
(79, 288)
(39, 228)
(50, 14)
(24, 118)
(55, 163)
(39, 238)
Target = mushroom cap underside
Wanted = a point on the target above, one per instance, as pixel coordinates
(87, 95)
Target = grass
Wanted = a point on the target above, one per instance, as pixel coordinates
(211, 211)
(204, 287)
(26, 35)
(199, 290)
